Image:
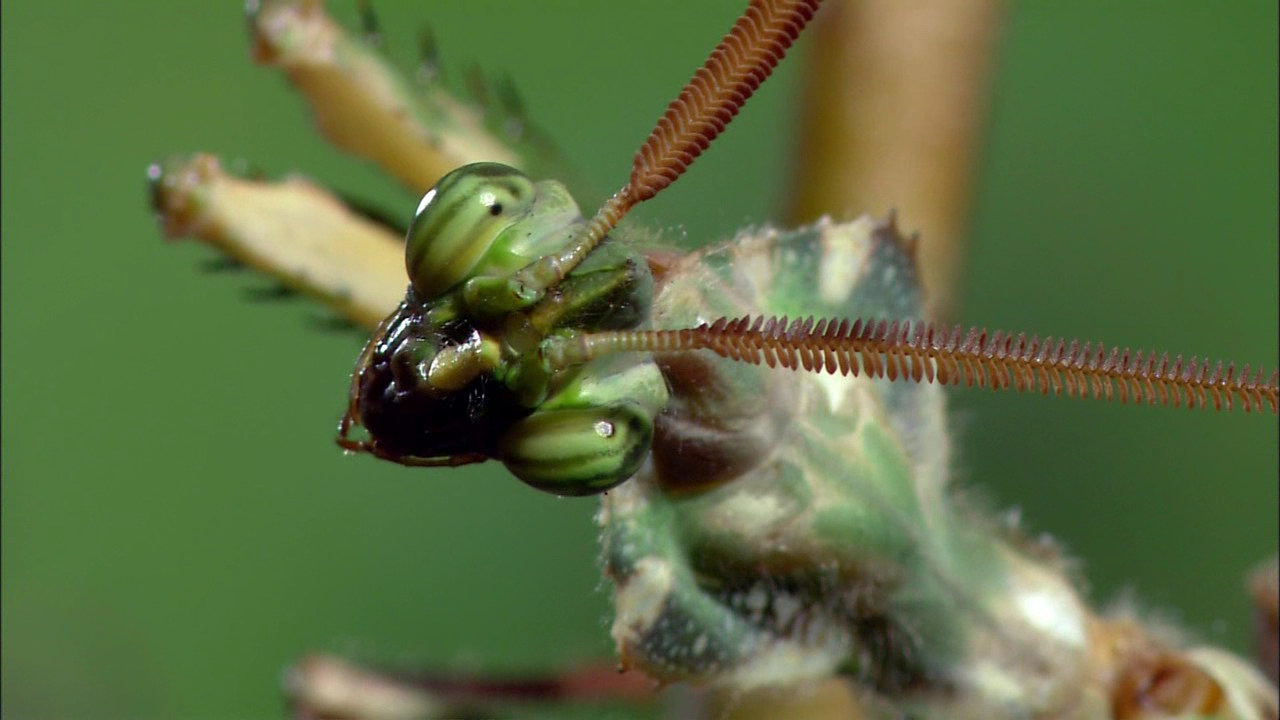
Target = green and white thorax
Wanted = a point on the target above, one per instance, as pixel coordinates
(789, 525)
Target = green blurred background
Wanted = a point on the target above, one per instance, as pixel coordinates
(178, 524)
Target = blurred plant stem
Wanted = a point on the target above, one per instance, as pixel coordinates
(1264, 585)
(323, 686)
(894, 99)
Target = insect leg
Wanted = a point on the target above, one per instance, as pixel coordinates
(322, 686)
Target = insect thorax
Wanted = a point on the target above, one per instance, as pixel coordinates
(833, 543)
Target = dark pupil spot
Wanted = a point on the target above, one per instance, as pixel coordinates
(495, 209)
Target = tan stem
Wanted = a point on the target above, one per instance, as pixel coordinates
(894, 100)
(363, 105)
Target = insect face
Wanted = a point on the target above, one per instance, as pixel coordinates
(453, 375)
(425, 388)
(405, 416)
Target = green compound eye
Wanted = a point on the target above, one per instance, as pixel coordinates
(581, 451)
(458, 221)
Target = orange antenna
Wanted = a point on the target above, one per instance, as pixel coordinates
(737, 66)
(925, 352)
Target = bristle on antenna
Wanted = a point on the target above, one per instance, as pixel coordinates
(742, 60)
(925, 352)
(737, 66)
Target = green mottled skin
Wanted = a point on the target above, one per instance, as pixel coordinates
(792, 525)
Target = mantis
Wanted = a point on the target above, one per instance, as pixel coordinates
(878, 664)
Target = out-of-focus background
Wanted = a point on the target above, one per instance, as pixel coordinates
(178, 525)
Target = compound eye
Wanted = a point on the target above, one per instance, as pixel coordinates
(458, 221)
(579, 451)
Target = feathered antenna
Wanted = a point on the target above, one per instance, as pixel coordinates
(743, 59)
(926, 352)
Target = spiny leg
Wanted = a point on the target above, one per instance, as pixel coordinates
(325, 687)
(364, 105)
(291, 230)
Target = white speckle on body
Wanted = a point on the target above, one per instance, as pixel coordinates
(756, 268)
(994, 681)
(784, 662)
(1047, 603)
(640, 600)
(784, 608)
(844, 251)
(837, 389)
(1053, 613)
(746, 510)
